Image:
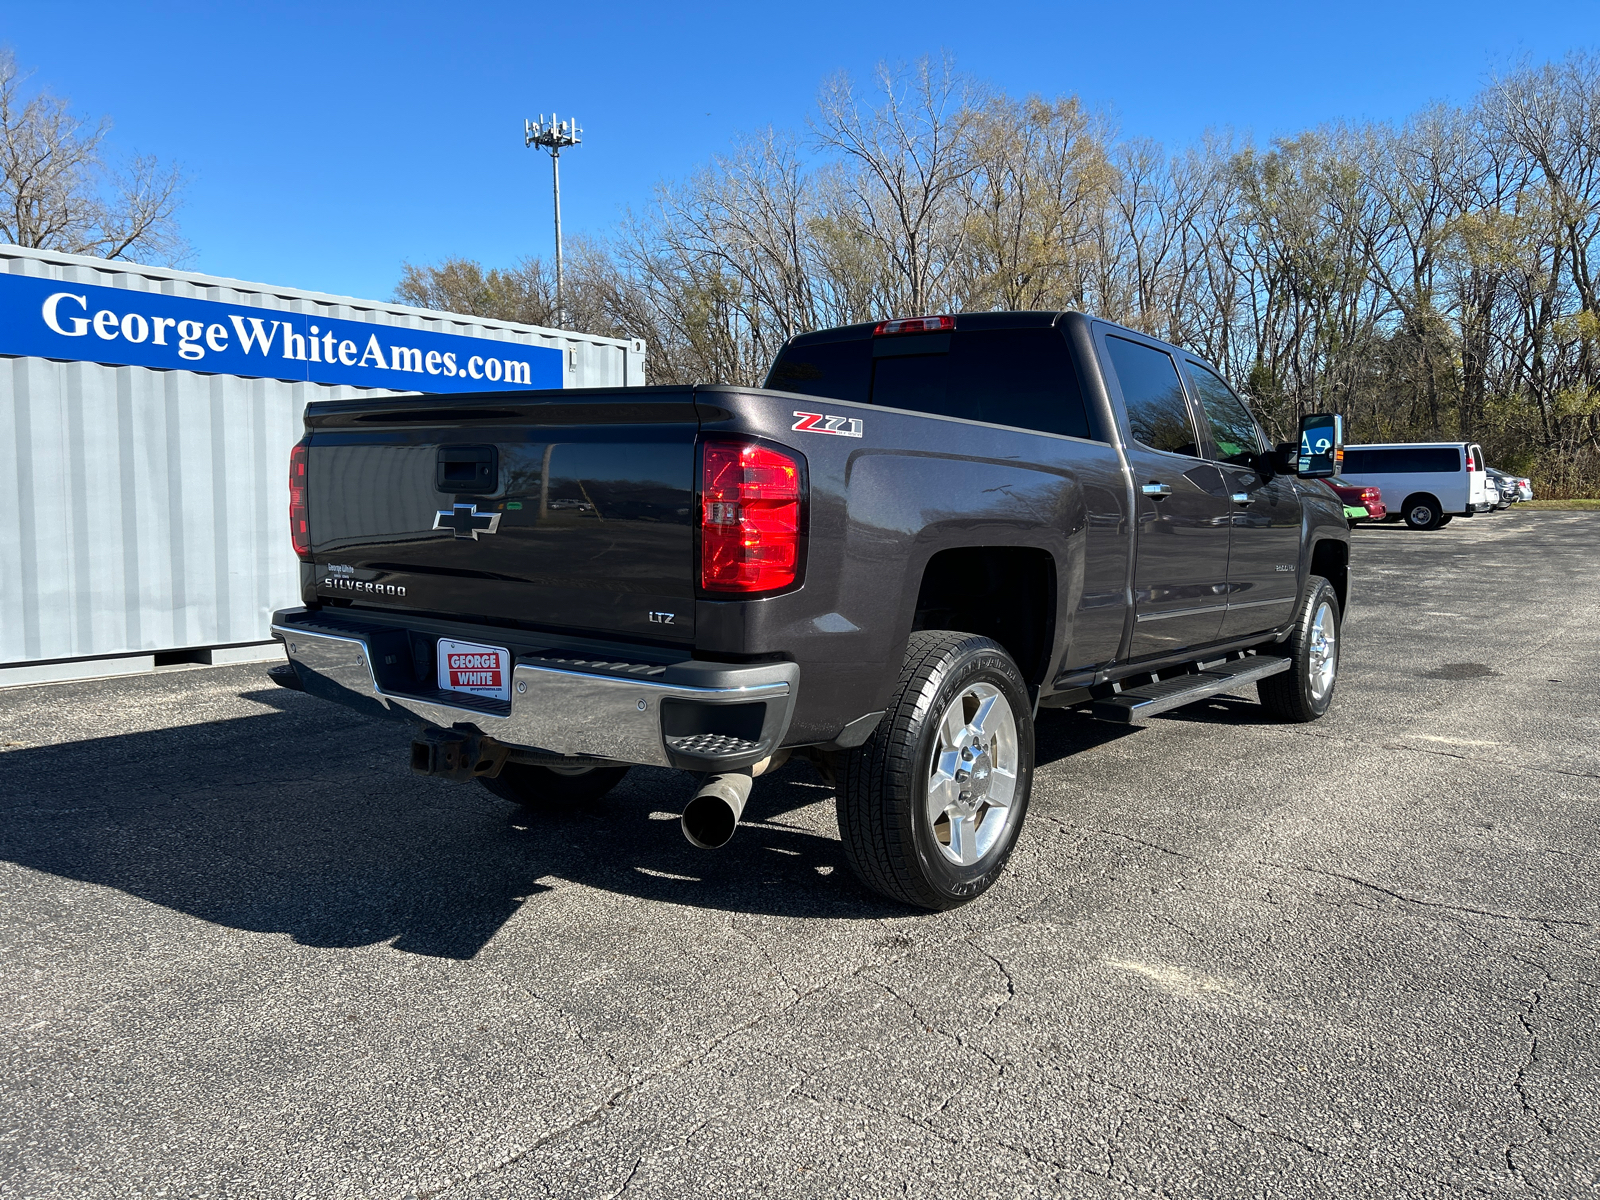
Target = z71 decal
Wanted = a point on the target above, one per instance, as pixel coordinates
(819, 423)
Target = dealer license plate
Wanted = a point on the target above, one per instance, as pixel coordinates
(469, 667)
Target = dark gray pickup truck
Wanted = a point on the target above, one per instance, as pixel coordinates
(887, 560)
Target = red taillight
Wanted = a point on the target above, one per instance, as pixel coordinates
(749, 517)
(299, 514)
(1372, 494)
(914, 325)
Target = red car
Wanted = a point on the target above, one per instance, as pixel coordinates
(1369, 498)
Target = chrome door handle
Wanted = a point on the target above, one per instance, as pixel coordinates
(1157, 489)
(1241, 497)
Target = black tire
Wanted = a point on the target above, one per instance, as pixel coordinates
(1446, 519)
(541, 787)
(891, 840)
(1422, 512)
(1295, 695)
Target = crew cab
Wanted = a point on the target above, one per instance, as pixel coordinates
(917, 534)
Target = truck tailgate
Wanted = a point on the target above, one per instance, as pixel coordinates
(559, 510)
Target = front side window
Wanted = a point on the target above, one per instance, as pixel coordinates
(1233, 429)
(1153, 394)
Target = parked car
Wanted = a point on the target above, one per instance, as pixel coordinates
(1492, 492)
(1432, 481)
(887, 559)
(1513, 488)
(1360, 503)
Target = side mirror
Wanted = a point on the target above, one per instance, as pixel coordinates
(1285, 458)
(1321, 445)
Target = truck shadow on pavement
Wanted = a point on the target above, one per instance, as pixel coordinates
(307, 822)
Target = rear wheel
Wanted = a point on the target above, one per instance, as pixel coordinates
(1446, 519)
(1305, 691)
(930, 807)
(550, 787)
(1422, 512)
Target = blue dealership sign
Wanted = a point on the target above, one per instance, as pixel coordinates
(77, 322)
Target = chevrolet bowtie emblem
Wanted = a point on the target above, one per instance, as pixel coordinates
(467, 522)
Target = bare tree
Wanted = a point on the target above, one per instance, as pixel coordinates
(57, 192)
(912, 157)
(1429, 279)
(1040, 182)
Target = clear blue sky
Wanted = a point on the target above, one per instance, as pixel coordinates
(329, 142)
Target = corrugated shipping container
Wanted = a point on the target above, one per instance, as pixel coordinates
(148, 506)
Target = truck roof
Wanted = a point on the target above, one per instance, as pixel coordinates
(1017, 319)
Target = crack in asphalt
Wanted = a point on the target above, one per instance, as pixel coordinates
(1026, 1153)
(783, 977)
(1473, 758)
(1437, 904)
(1525, 1018)
(626, 1183)
(620, 1096)
(1127, 837)
(1264, 1131)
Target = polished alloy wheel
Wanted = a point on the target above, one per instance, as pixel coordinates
(972, 778)
(1323, 660)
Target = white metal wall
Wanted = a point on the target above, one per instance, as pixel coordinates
(146, 510)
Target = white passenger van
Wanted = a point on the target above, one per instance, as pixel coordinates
(1424, 484)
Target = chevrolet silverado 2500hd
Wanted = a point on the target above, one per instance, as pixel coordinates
(887, 559)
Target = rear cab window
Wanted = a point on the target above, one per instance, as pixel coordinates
(1021, 377)
(1152, 393)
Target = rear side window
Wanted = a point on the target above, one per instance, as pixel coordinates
(840, 370)
(1020, 377)
(1233, 429)
(1157, 413)
(1402, 460)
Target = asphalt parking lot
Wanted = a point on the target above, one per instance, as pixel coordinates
(244, 953)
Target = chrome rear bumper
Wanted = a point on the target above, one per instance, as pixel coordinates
(694, 715)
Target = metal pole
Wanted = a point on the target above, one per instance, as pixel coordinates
(553, 137)
(555, 175)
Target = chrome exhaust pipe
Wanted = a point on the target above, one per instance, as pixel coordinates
(710, 818)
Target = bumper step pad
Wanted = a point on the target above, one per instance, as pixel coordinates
(713, 745)
(1134, 704)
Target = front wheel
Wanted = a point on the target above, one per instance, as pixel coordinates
(552, 787)
(930, 806)
(1305, 691)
